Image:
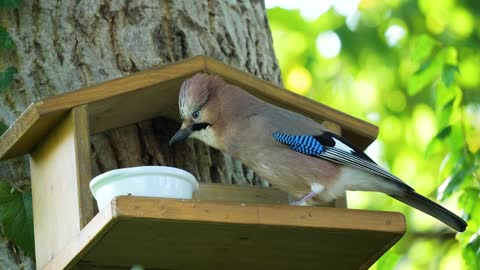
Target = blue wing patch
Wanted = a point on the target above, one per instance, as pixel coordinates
(307, 145)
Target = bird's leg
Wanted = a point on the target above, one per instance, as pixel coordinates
(315, 189)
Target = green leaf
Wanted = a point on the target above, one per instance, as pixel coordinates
(424, 66)
(435, 144)
(470, 257)
(6, 77)
(469, 199)
(448, 75)
(388, 261)
(3, 128)
(444, 132)
(445, 114)
(458, 177)
(425, 75)
(456, 138)
(16, 216)
(10, 3)
(5, 40)
(422, 48)
(471, 253)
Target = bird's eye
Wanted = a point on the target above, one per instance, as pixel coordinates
(195, 114)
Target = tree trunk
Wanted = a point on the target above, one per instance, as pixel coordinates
(66, 45)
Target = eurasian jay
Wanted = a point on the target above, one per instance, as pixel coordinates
(292, 152)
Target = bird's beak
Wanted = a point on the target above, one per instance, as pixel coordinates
(181, 134)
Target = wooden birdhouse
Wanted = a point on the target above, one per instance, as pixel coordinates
(224, 226)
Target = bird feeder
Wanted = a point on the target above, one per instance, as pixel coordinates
(224, 226)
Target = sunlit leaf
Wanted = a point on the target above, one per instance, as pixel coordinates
(444, 132)
(445, 114)
(448, 75)
(417, 82)
(471, 252)
(435, 144)
(424, 66)
(470, 257)
(425, 75)
(5, 41)
(10, 3)
(6, 77)
(16, 216)
(422, 48)
(288, 19)
(469, 199)
(388, 261)
(456, 138)
(461, 174)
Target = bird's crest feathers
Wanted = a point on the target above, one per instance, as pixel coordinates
(194, 92)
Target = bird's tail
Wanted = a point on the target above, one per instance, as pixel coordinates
(431, 208)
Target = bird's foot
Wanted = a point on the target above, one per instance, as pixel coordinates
(316, 188)
(303, 200)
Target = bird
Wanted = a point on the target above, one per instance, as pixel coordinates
(292, 152)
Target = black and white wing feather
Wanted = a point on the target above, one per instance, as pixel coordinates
(334, 148)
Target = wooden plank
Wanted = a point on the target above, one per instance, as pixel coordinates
(182, 245)
(264, 214)
(333, 127)
(60, 173)
(130, 99)
(117, 103)
(363, 133)
(135, 82)
(153, 101)
(213, 192)
(185, 234)
(55, 201)
(69, 256)
(26, 132)
(240, 194)
(83, 169)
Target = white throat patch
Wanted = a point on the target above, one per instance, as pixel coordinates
(206, 135)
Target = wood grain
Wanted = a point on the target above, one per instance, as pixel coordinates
(69, 256)
(152, 93)
(185, 234)
(265, 214)
(27, 131)
(83, 168)
(60, 174)
(240, 194)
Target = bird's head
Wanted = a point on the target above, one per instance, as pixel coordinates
(199, 108)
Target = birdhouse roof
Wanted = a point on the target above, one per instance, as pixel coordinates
(154, 93)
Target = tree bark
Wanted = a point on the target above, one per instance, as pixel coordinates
(66, 45)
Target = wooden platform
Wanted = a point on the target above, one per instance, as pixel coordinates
(186, 234)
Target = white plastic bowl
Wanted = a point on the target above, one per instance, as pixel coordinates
(148, 181)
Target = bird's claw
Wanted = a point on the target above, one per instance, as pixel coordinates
(299, 202)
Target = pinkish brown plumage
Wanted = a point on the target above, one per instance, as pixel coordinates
(230, 119)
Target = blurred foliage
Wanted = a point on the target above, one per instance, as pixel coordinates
(6, 77)
(16, 217)
(413, 69)
(10, 3)
(16, 214)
